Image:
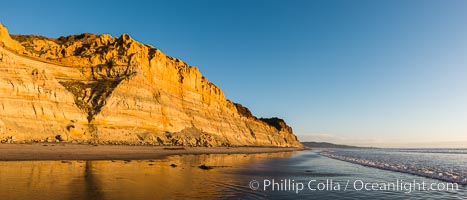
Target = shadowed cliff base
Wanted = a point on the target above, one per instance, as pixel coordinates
(101, 89)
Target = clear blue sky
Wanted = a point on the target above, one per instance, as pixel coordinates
(349, 71)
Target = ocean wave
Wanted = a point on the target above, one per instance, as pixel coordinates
(439, 151)
(425, 171)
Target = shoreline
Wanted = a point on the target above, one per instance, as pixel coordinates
(64, 151)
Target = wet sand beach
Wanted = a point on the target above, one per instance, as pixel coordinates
(62, 151)
(229, 176)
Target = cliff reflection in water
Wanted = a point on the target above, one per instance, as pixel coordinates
(141, 179)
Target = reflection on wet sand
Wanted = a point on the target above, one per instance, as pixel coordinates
(140, 179)
(86, 186)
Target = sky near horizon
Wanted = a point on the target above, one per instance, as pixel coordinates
(360, 72)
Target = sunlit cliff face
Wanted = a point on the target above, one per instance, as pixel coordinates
(98, 88)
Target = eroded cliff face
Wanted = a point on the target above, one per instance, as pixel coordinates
(96, 88)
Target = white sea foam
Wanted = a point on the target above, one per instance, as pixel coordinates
(431, 167)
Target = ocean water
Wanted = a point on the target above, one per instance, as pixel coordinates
(444, 164)
(234, 176)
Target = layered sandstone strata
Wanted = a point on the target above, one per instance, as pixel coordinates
(97, 88)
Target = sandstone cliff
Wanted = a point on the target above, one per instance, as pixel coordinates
(96, 88)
